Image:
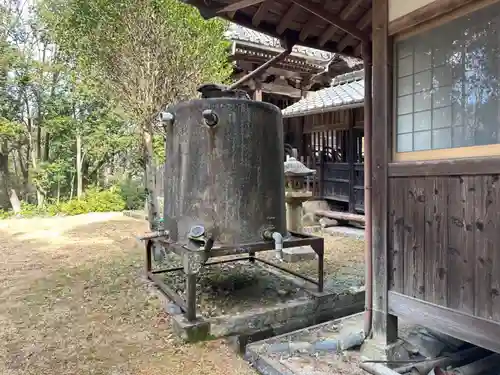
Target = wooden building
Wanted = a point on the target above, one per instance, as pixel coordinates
(433, 157)
(439, 165)
(327, 128)
(305, 69)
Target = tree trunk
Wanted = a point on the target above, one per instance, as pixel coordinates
(40, 197)
(46, 150)
(14, 202)
(151, 196)
(72, 186)
(26, 167)
(79, 177)
(4, 177)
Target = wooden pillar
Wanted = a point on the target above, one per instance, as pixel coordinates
(351, 146)
(257, 94)
(305, 86)
(384, 325)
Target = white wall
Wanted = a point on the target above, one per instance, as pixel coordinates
(398, 8)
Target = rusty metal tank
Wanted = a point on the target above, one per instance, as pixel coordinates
(224, 174)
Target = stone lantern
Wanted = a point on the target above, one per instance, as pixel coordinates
(295, 193)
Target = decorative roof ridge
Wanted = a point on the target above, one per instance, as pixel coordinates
(349, 77)
(237, 32)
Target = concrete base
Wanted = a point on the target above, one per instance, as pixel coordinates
(353, 232)
(374, 350)
(198, 330)
(326, 222)
(298, 254)
(267, 322)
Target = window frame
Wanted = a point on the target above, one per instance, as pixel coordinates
(443, 153)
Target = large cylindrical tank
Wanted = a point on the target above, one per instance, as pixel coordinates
(224, 171)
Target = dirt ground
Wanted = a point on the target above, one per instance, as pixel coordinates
(74, 302)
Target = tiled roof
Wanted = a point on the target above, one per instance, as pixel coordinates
(243, 34)
(346, 90)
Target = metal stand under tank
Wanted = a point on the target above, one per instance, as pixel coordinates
(224, 189)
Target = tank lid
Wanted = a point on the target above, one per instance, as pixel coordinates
(293, 167)
(213, 90)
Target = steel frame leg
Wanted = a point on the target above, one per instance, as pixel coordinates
(149, 264)
(191, 297)
(319, 249)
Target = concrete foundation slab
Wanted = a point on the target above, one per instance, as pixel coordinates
(353, 232)
(298, 254)
(257, 324)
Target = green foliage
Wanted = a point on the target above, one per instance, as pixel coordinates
(88, 78)
(4, 214)
(10, 130)
(148, 53)
(104, 200)
(94, 200)
(133, 193)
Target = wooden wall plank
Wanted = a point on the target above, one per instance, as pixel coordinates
(437, 243)
(398, 188)
(495, 284)
(452, 167)
(416, 266)
(444, 236)
(461, 243)
(429, 238)
(485, 228)
(409, 285)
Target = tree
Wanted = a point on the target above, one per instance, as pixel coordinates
(147, 53)
(51, 115)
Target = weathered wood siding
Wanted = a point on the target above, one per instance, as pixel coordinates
(340, 174)
(333, 120)
(444, 241)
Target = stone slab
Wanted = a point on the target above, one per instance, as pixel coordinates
(257, 324)
(240, 341)
(198, 330)
(298, 254)
(141, 215)
(353, 232)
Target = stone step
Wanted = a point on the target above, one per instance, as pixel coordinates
(298, 254)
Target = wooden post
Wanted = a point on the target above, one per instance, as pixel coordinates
(257, 94)
(350, 159)
(321, 177)
(384, 325)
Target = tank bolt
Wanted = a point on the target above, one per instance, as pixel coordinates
(166, 117)
(211, 118)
